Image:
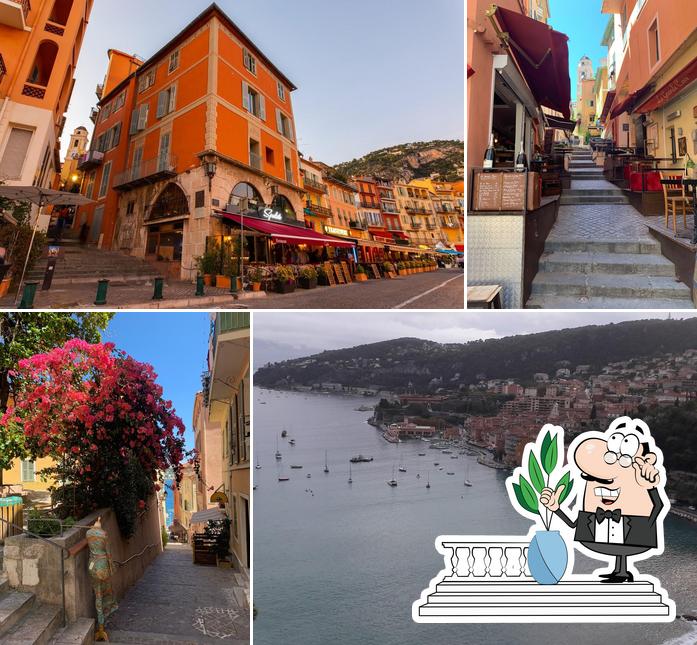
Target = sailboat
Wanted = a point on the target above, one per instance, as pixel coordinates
(258, 466)
(279, 456)
(402, 468)
(428, 480)
(326, 466)
(350, 479)
(467, 479)
(392, 482)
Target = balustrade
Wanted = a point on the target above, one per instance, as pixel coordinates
(486, 560)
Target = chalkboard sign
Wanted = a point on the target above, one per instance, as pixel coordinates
(513, 191)
(347, 272)
(376, 271)
(330, 274)
(487, 191)
(339, 274)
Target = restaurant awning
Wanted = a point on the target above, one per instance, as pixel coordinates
(209, 515)
(542, 54)
(609, 100)
(686, 76)
(470, 71)
(557, 123)
(285, 233)
(628, 104)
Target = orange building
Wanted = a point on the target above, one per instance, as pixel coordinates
(342, 200)
(70, 175)
(418, 216)
(207, 126)
(40, 43)
(317, 210)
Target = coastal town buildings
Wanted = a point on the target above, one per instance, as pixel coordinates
(40, 43)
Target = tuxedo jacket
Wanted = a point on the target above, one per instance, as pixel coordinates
(638, 529)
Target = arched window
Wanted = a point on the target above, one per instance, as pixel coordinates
(61, 12)
(40, 73)
(172, 202)
(283, 205)
(246, 194)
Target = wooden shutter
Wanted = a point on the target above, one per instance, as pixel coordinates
(28, 471)
(15, 153)
(245, 96)
(117, 135)
(172, 99)
(137, 159)
(162, 102)
(279, 121)
(143, 116)
(291, 132)
(163, 163)
(262, 107)
(134, 122)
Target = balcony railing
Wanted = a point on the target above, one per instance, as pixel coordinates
(416, 226)
(449, 224)
(311, 184)
(13, 13)
(414, 210)
(148, 172)
(486, 580)
(319, 211)
(255, 160)
(3, 68)
(358, 225)
(90, 160)
(367, 204)
(94, 114)
(431, 227)
(54, 28)
(34, 91)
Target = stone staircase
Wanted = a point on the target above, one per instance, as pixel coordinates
(87, 264)
(600, 254)
(25, 621)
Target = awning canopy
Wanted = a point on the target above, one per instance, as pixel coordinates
(557, 123)
(542, 54)
(609, 100)
(470, 71)
(671, 89)
(285, 233)
(212, 514)
(628, 104)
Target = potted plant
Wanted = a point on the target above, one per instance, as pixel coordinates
(388, 268)
(402, 268)
(322, 277)
(284, 279)
(361, 274)
(308, 278)
(207, 266)
(547, 555)
(255, 275)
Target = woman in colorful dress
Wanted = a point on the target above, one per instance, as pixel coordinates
(101, 568)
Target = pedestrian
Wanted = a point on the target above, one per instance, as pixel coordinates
(84, 233)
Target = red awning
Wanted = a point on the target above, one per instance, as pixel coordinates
(609, 99)
(285, 233)
(542, 54)
(399, 236)
(671, 89)
(628, 104)
(470, 71)
(460, 247)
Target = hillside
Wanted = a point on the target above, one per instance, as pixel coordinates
(410, 161)
(396, 363)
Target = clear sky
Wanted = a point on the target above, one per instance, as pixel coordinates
(176, 345)
(293, 335)
(370, 74)
(584, 27)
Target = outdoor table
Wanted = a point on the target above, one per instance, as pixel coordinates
(484, 297)
(691, 186)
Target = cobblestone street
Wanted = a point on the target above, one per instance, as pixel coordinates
(179, 602)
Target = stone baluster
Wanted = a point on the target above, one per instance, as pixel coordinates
(497, 560)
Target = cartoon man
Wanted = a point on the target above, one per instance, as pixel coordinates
(622, 500)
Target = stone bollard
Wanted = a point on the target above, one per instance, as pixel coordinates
(200, 290)
(28, 295)
(159, 286)
(102, 287)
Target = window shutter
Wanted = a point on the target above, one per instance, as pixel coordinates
(135, 115)
(291, 132)
(172, 98)
(162, 101)
(143, 117)
(117, 135)
(108, 135)
(262, 107)
(279, 121)
(245, 96)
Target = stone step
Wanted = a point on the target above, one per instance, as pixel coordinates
(610, 191)
(566, 611)
(13, 607)
(80, 632)
(587, 176)
(574, 302)
(37, 627)
(575, 165)
(620, 263)
(4, 583)
(609, 285)
(592, 199)
(604, 246)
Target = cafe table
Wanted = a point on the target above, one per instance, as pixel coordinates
(690, 185)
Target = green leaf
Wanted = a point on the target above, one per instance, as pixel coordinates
(535, 473)
(529, 495)
(566, 482)
(546, 443)
(549, 461)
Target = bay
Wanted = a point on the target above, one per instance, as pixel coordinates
(342, 563)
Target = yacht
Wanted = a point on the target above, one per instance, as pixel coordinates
(350, 479)
(326, 466)
(392, 482)
(279, 456)
(291, 442)
(428, 480)
(295, 467)
(360, 459)
(258, 466)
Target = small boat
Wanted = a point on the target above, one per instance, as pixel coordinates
(284, 434)
(258, 466)
(436, 463)
(295, 467)
(309, 475)
(402, 469)
(350, 479)
(279, 456)
(446, 452)
(262, 402)
(453, 457)
(467, 478)
(422, 454)
(284, 479)
(468, 482)
(291, 442)
(360, 459)
(254, 487)
(450, 473)
(326, 466)
(392, 482)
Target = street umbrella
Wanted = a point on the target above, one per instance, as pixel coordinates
(41, 197)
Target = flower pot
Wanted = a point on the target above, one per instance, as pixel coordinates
(256, 286)
(284, 287)
(547, 557)
(5, 287)
(403, 272)
(223, 282)
(208, 280)
(361, 277)
(308, 283)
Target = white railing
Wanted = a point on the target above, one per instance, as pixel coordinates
(486, 560)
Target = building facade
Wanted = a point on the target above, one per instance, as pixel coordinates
(208, 127)
(40, 43)
(208, 441)
(70, 175)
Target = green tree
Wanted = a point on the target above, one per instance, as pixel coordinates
(24, 334)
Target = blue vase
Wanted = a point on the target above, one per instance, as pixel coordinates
(547, 557)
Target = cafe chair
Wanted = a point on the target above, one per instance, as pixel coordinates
(674, 198)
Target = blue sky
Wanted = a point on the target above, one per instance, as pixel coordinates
(370, 74)
(175, 344)
(584, 27)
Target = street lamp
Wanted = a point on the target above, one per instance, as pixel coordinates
(210, 167)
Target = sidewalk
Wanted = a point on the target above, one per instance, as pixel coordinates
(182, 603)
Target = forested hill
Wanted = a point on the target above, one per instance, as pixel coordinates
(395, 363)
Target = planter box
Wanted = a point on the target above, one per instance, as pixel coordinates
(223, 282)
(208, 280)
(284, 287)
(5, 287)
(256, 286)
(403, 271)
(361, 277)
(308, 283)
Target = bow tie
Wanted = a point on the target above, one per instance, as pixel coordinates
(601, 514)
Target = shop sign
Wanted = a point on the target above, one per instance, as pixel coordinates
(335, 230)
(270, 215)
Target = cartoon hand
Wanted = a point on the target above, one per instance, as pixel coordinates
(550, 498)
(645, 472)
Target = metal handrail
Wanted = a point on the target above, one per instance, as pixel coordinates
(137, 555)
(63, 549)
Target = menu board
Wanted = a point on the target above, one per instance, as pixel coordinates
(339, 274)
(347, 273)
(330, 274)
(376, 271)
(513, 191)
(487, 191)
